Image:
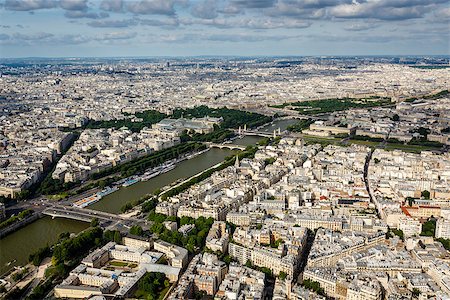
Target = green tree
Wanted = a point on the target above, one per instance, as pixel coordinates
(396, 118)
(151, 285)
(248, 264)
(397, 232)
(429, 227)
(445, 243)
(94, 222)
(313, 285)
(117, 237)
(137, 230)
(425, 194)
(410, 201)
(37, 257)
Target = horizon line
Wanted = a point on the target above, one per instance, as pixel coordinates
(225, 56)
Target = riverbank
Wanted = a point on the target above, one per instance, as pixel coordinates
(17, 246)
(113, 203)
(45, 230)
(19, 224)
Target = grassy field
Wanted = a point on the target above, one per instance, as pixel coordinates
(409, 148)
(364, 143)
(312, 107)
(118, 263)
(324, 141)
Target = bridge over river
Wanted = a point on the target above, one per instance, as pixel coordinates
(106, 220)
(226, 146)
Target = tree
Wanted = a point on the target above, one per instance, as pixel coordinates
(397, 232)
(429, 227)
(37, 257)
(313, 285)
(425, 194)
(101, 184)
(276, 243)
(117, 237)
(94, 222)
(445, 243)
(151, 285)
(396, 118)
(282, 275)
(137, 230)
(415, 292)
(249, 264)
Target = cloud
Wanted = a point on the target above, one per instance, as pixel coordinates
(385, 9)
(170, 22)
(70, 39)
(113, 23)
(112, 5)
(116, 36)
(205, 10)
(249, 38)
(29, 5)
(152, 7)
(4, 36)
(442, 14)
(73, 5)
(229, 10)
(360, 26)
(43, 38)
(253, 3)
(307, 9)
(248, 23)
(134, 22)
(232, 38)
(33, 37)
(76, 14)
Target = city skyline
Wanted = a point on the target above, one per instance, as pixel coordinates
(116, 28)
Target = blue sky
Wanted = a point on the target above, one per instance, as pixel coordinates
(65, 28)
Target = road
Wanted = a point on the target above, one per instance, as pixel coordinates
(107, 220)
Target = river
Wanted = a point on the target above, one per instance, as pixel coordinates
(18, 245)
(113, 202)
(45, 231)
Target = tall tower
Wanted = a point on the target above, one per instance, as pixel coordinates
(236, 163)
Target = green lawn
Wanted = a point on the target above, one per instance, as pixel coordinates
(118, 263)
(320, 140)
(324, 141)
(365, 143)
(409, 148)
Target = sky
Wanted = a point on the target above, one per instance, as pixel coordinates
(105, 28)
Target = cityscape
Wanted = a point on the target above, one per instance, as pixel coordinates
(235, 175)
